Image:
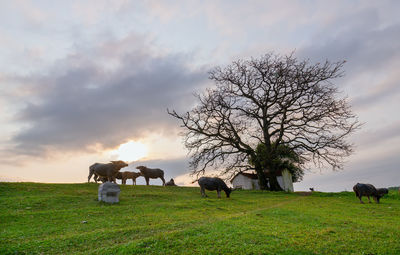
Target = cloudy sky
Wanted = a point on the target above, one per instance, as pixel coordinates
(79, 79)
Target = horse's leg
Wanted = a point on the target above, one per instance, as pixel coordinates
(163, 180)
(109, 178)
(147, 180)
(202, 191)
(90, 175)
(219, 193)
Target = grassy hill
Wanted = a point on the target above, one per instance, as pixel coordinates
(67, 218)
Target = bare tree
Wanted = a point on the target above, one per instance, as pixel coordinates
(274, 101)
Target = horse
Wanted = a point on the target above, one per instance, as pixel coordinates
(106, 171)
(152, 173)
(130, 175)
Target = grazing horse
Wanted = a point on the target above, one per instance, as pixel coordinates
(361, 189)
(213, 183)
(130, 175)
(152, 173)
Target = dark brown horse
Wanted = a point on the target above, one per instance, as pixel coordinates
(152, 173)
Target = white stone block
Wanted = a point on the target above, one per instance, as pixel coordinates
(109, 192)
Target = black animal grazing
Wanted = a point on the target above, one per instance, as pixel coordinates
(382, 191)
(213, 183)
(368, 190)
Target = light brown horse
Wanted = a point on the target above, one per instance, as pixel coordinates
(130, 175)
(107, 171)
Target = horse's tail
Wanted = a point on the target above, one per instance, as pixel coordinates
(91, 172)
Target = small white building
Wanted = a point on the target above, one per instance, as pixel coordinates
(245, 181)
(250, 180)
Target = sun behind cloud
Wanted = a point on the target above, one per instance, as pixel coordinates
(131, 151)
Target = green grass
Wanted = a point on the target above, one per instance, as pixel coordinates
(48, 219)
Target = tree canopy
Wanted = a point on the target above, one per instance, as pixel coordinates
(265, 108)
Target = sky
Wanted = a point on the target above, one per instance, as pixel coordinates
(82, 81)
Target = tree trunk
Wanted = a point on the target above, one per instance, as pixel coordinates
(262, 180)
(274, 184)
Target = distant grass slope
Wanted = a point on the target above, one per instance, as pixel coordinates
(49, 219)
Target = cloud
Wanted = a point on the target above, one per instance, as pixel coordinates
(366, 49)
(97, 97)
(385, 89)
(373, 138)
(366, 39)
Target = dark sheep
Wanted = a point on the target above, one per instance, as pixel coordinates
(171, 183)
(361, 189)
(213, 183)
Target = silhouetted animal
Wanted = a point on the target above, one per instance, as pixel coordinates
(311, 189)
(382, 191)
(119, 176)
(108, 171)
(98, 178)
(213, 183)
(104, 179)
(152, 173)
(170, 183)
(130, 175)
(361, 189)
(91, 172)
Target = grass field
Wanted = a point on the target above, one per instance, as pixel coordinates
(67, 219)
